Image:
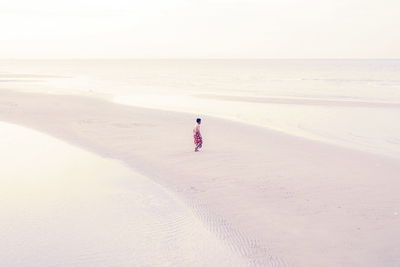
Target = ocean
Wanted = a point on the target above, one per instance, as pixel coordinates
(346, 102)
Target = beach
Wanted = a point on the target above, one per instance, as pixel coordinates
(216, 133)
(349, 103)
(63, 206)
(273, 198)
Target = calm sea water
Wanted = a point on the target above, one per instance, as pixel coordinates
(353, 103)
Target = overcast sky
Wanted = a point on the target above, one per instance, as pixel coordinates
(199, 29)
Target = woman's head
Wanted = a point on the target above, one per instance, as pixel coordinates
(198, 120)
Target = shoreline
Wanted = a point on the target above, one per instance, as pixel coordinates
(266, 193)
(328, 121)
(58, 212)
(339, 120)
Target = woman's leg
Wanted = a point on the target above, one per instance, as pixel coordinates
(197, 147)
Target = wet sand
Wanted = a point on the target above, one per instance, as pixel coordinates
(63, 206)
(275, 199)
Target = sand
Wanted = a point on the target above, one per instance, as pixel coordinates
(63, 206)
(275, 199)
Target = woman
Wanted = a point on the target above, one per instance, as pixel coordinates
(198, 140)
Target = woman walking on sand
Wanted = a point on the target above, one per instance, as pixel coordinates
(198, 140)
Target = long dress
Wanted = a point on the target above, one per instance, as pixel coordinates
(197, 138)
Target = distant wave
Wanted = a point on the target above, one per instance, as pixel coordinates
(26, 76)
(349, 80)
(19, 80)
(302, 101)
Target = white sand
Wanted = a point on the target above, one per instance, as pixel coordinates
(276, 199)
(62, 206)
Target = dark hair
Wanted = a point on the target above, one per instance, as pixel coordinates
(198, 120)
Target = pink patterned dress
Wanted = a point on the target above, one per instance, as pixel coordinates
(197, 138)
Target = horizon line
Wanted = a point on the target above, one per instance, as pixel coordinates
(214, 58)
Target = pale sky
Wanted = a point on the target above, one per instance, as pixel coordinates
(199, 29)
